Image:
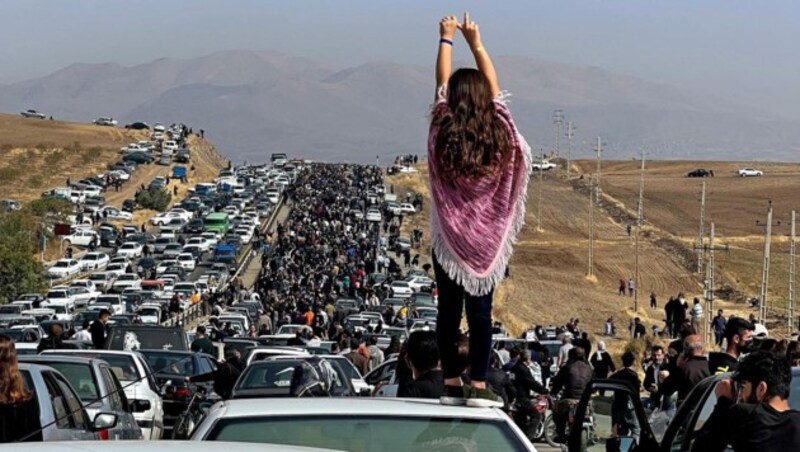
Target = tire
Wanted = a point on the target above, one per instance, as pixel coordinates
(550, 432)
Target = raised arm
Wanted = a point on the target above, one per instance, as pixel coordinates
(473, 37)
(444, 60)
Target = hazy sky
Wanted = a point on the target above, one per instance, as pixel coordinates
(745, 51)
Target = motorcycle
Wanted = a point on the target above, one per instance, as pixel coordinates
(542, 405)
(588, 435)
(191, 417)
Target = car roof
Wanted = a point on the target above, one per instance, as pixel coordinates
(43, 359)
(175, 446)
(373, 407)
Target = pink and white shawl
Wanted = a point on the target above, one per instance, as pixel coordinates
(475, 222)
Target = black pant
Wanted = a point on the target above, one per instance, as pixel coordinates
(452, 299)
(528, 418)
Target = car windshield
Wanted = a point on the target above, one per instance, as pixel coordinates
(10, 309)
(58, 308)
(268, 375)
(170, 363)
(61, 264)
(81, 377)
(123, 366)
(98, 277)
(57, 294)
(107, 299)
(375, 433)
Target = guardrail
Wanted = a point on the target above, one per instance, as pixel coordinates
(201, 309)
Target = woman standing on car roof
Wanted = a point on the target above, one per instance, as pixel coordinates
(479, 167)
(19, 409)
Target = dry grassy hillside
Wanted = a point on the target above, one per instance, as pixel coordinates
(549, 283)
(37, 155)
(734, 204)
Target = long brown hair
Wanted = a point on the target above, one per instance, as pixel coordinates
(472, 140)
(12, 389)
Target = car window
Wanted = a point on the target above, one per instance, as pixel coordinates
(81, 377)
(62, 421)
(116, 397)
(78, 417)
(384, 373)
(376, 433)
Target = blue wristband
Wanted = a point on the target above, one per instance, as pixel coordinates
(446, 41)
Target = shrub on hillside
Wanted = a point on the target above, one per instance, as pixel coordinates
(6, 147)
(9, 174)
(91, 154)
(21, 272)
(54, 158)
(154, 199)
(43, 147)
(75, 147)
(44, 207)
(36, 181)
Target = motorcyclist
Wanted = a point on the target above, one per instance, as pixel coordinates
(524, 383)
(573, 378)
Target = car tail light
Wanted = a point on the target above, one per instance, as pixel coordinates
(103, 434)
(183, 392)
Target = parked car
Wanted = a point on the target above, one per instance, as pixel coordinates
(105, 121)
(64, 268)
(98, 390)
(543, 165)
(33, 114)
(81, 237)
(130, 250)
(137, 126)
(94, 261)
(337, 422)
(60, 409)
(749, 172)
(135, 375)
(401, 289)
(139, 157)
(699, 173)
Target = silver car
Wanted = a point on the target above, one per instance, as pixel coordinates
(55, 395)
(98, 389)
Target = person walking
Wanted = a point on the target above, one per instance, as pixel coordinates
(19, 409)
(718, 325)
(697, 315)
(622, 287)
(653, 301)
(479, 166)
(631, 286)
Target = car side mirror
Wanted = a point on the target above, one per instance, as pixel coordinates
(104, 421)
(139, 406)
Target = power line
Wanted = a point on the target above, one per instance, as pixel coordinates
(591, 229)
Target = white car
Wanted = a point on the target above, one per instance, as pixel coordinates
(59, 295)
(374, 215)
(150, 313)
(104, 121)
(166, 217)
(128, 280)
(393, 423)
(134, 147)
(119, 174)
(357, 214)
(86, 284)
(186, 260)
(33, 114)
(245, 233)
(169, 147)
(163, 265)
(407, 208)
(543, 165)
(103, 280)
(130, 250)
(94, 261)
(401, 289)
(117, 269)
(113, 213)
(115, 303)
(211, 237)
(64, 268)
(81, 237)
(273, 195)
(417, 283)
(199, 242)
(749, 172)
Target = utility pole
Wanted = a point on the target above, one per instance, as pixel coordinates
(599, 151)
(700, 235)
(558, 119)
(591, 230)
(570, 135)
(539, 196)
(765, 268)
(638, 232)
(791, 276)
(710, 283)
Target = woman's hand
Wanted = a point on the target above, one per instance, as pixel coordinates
(448, 26)
(471, 32)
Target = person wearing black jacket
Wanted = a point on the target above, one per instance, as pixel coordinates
(499, 382)
(524, 383)
(53, 341)
(98, 329)
(573, 377)
(225, 376)
(422, 356)
(763, 420)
